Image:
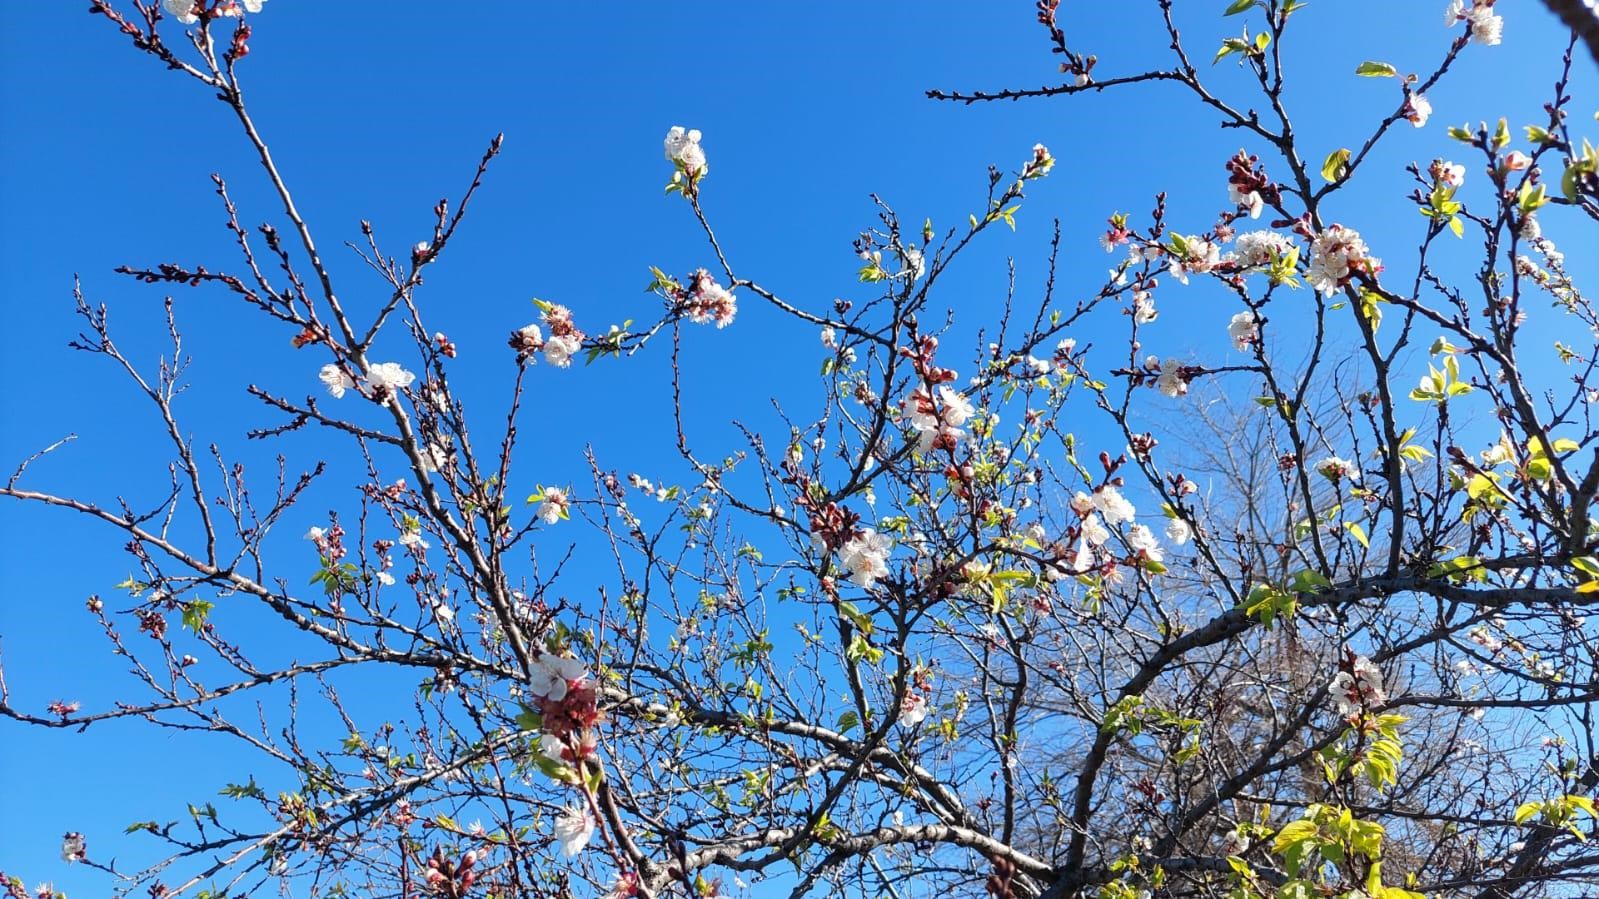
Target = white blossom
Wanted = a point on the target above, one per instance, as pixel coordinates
(1179, 531)
(1142, 539)
(558, 351)
(915, 267)
(942, 420)
(1171, 383)
(1244, 329)
(1358, 688)
(73, 847)
(1115, 507)
(573, 830)
(1251, 200)
(865, 556)
(182, 10)
(1335, 254)
(1199, 256)
(1257, 249)
(1486, 28)
(912, 710)
(552, 674)
(388, 376)
(1334, 468)
(1144, 310)
(334, 378)
(683, 148)
(554, 507)
(1417, 109)
(1093, 532)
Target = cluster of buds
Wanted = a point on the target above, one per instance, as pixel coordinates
(152, 622)
(999, 883)
(329, 542)
(62, 710)
(1247, 185)
(449, 878)
(1081, 70)
(831, 525)
(239, 48)
(1141, 445)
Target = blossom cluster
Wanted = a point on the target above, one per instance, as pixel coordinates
(568, 705)
(1103, 509)
(1486, 28)
(188, 12)
(938, 423)
(1247, 185)
(564, 342)
(382, 380)
(554, 505)
(865, 557)
(1336, 255)
(1334, 468)
(707, 301)
(1244, 329)
(683, 149)
(1357, 685)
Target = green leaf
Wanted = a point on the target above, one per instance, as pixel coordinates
(1369, 69)
(1292, 834)
(244, 791)
(848, 722)
(1238, 6)
(1229, 46)
(195, 612)
(1358, 532)
(1336, 166)
(1501, 137)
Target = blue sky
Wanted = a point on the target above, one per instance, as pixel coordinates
(806, 109)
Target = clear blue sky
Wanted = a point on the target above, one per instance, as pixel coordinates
(806, 108)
